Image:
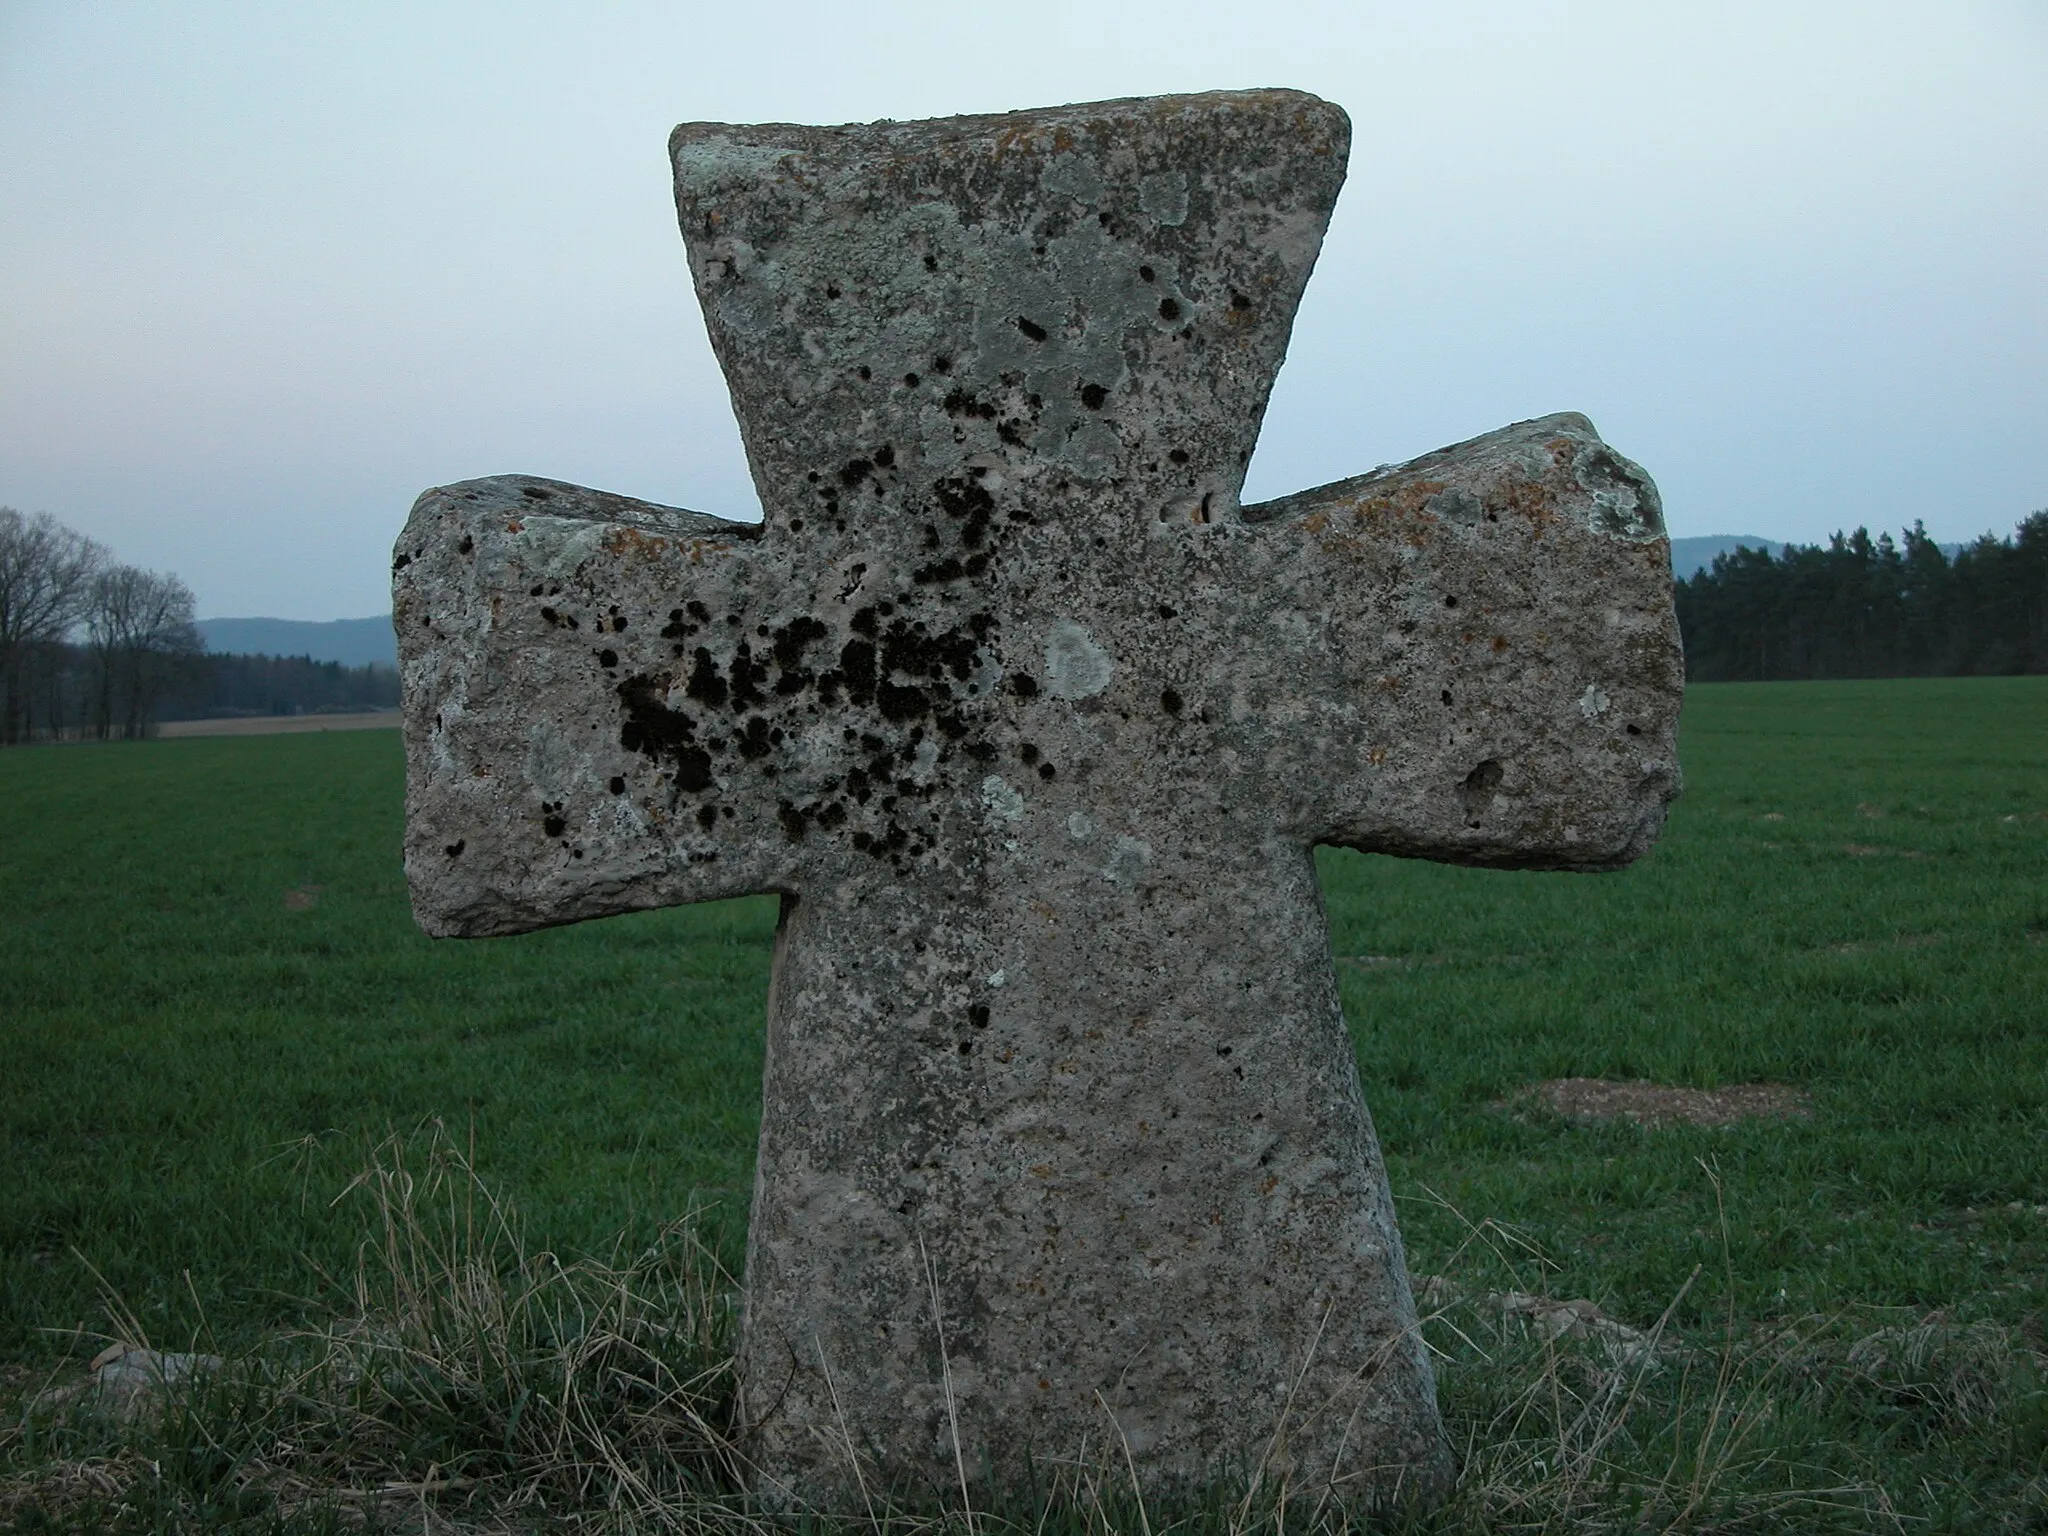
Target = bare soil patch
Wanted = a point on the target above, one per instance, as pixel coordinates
(281, 725)
(1651, 1104)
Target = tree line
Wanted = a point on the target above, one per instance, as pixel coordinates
(1864, 607)
(91, 648)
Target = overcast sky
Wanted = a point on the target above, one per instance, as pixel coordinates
(267, 271)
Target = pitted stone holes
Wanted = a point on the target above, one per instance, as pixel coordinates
(1475, 795)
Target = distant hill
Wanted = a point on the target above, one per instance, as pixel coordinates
(1689, 556)
(352, 642)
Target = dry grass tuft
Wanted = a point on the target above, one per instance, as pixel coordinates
(465, 1366)
(467, 1384)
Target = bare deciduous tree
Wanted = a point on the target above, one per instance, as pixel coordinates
(47, 573)
(139, 624)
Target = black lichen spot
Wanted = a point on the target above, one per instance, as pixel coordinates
(795, 823)
(901, 702)
(747, 677)
(616, 784)
(1031, 328)
(911, 381)
(553, 825)
(856, 470)
(607, 657)
(969, 502)
(693, 770)
(1447, 696)
(959, 402)
(1240, 301)
(707, 816)
(831, 290)
(885, 456)
(466, 545)
(1169, 309)
(1093, 395)
(1450, 602)
(1024, 685)
(1046, 771)
(978, 1015)
(857, 667)
(1166, 612)
(791, 641)
(1029, 753)
(752, 740)
(1170, 701)
(931, 263)
(654, 730)
(1147, 273)
(864, 371)
(401, 563)
(454, 849)
(966, 1047)
(705, 685)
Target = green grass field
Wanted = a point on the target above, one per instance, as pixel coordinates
(212, 998)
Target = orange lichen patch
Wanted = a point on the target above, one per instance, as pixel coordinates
(623, 540)
(1534, 501)
(515, 526)
(1653, 1105)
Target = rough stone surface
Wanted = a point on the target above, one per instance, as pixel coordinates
(129, 1383)
(1033, 727)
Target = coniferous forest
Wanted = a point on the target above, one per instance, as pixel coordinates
(1864, 607)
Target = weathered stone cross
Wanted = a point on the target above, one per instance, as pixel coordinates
(1033, 727)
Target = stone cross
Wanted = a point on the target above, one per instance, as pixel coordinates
(1033, 727)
